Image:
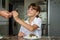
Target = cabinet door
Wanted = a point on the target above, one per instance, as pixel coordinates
(54, 27)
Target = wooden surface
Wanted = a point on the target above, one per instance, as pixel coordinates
(19, 38)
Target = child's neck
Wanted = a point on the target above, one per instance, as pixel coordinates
(31, 19)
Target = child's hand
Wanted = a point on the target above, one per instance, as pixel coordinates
(21, 34)
(15, 14)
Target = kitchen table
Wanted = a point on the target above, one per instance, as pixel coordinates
(20, 38)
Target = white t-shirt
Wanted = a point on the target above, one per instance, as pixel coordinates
(37, 32)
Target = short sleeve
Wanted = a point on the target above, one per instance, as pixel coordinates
(38, 22)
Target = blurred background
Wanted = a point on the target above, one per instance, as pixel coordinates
(50, 12)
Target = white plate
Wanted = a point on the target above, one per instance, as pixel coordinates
(1, 37)
(26, 37)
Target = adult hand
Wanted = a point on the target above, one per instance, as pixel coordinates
(5, 14)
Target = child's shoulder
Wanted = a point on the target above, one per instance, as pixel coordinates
(37, 18)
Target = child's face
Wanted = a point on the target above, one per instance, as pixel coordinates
(31, 12)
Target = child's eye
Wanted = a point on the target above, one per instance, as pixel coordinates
(31, 9)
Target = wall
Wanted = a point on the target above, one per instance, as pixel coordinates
(54, 17)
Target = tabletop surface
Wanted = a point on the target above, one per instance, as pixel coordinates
(20, 38)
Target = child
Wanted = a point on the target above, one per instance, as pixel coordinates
(33, 24)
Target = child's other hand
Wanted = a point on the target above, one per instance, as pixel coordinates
(21, 34)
